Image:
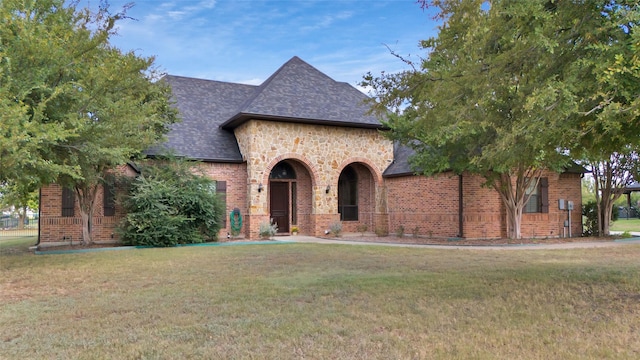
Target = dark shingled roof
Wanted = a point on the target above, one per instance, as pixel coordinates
(297, 92)
(400, 165)
(203, 106)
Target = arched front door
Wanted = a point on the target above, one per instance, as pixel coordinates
(282, 196)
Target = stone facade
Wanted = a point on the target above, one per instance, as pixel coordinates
(320, 153)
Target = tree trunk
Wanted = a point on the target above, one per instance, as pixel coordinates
(21, 216)
(514, 197)
(611, 176)
(606, 219)
(86, 200)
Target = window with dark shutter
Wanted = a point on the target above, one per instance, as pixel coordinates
(68, 202)
(538, 197)
(544, 195)
(221, 190)
(109, 197)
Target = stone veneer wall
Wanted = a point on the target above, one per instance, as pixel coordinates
(323, 150)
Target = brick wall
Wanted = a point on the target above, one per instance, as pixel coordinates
(56, 229)
(235, 176)
(483, 212)
(561, 186)
(426, 205)
(429, 205)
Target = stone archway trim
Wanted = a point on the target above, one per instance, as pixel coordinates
(375, 172)
(291, 156)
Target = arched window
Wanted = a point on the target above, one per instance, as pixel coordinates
(348, 194)
(282, 170)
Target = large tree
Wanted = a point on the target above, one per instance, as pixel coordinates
(609, 107)
(78, 105)
(494, 94)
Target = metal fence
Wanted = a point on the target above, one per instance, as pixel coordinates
(10, 227)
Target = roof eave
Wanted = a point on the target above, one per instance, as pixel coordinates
(241, 118)
(202, 159)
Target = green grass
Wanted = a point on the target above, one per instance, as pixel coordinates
(322, 302)
(17, 244)
(632, 224)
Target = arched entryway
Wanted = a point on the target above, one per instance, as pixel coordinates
(290, 196)
(356, 198)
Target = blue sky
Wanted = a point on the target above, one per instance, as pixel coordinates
(246, 41)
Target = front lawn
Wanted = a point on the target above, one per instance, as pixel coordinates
(312, 301)
(631, 225)
(16, 244)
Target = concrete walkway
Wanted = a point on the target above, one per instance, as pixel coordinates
(570, 245)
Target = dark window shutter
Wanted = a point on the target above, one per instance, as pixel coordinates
(544, 195)
(68, 202)
(109, 197)
(221, 190)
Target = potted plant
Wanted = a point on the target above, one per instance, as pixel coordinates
(294, 230)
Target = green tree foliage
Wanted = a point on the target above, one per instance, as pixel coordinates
(22, 196)
(75, 105)
(169, 204)
(496, 93)
(609, 107)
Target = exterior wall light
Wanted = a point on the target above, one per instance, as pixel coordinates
(260, 187)
(327, 189)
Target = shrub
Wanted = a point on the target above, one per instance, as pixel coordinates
(626, 235)
(268, 229)
(400, 231)
(336, 228)
(590, 218)
(382, 232)
(169, 205)
(416, 231)
(362, 228)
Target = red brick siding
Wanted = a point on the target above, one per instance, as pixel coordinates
(483, 212)
(561, 186)
(236, 177)
(426, 204)
(431, 205)
(56, 229)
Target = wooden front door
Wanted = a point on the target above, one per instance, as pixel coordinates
(279, 201)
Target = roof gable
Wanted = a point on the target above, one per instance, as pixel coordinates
(298, 92)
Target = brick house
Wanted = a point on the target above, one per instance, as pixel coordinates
(302, 149)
